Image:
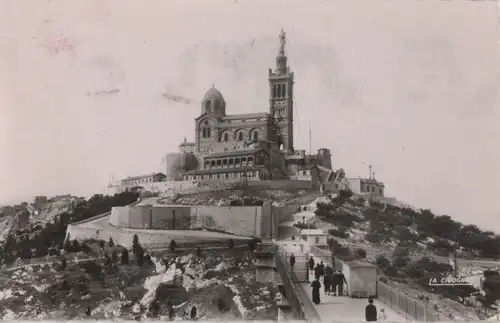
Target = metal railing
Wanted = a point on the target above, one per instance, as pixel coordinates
(301, 304)
(393, 297)
(404, 304)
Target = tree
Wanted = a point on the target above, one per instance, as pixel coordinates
(382, 262)
(172, 245)
(135, 244)
(76, 246)
(125, 257)
(111, 243)
(360, 253)
(114, 256)
(401, 257)
(140, 255)
(85, 248)
(68, 247)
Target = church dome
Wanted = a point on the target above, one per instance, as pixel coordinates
(213, 102)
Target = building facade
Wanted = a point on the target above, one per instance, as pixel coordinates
(366, 186)
(142, 179)
(252, 146)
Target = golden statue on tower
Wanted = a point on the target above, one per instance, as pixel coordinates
(282, 41)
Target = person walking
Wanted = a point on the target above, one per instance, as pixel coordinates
(317, 272)
(328, 273)
(370, 311)
(327, 282)
(193, 313)
(334, 282)
(292, 261)
(316, 285)
(341, 282)
(311, 263)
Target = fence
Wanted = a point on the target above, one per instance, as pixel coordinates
(405, 304)
(395, 298)
(303, 310)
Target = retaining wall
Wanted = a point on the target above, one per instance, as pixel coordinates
(260, 221)
(187, 187)
(147, 238)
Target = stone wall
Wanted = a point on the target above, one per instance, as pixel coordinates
(171, 218)
(240, 220)
(260, 221)
(147, 238)
(187, 187)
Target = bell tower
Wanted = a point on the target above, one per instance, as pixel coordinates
(281, 98)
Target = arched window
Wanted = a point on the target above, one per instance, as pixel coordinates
(208, 106)
(240, 136)
(226, 137)
(255, 136)
(206, 133)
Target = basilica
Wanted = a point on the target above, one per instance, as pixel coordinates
(253, 146)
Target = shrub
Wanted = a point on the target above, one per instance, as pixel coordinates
(374, 237)
(401, 257)
(125, 257)
(114, 256)
(345, 194)
(221, 305)
(340, 232)
(360, 253)
(338, 250)
(382, 262)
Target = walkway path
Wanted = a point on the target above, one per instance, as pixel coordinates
(335, 308)
(345, 308)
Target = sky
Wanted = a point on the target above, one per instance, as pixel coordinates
(410, 87)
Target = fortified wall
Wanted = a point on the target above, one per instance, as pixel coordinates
(190, 187)
(259, 221)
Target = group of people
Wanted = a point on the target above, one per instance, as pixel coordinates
(333, 281)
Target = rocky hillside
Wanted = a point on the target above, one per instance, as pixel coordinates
(221, 284)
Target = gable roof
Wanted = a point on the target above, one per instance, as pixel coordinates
(143, 176)
(206, 114)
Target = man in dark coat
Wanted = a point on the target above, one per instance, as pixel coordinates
(316, 285)
(292, 261)
(327, 281)
(311, 263)
(341, 283)
(370, 311)
(317, 272)
(334, 281)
